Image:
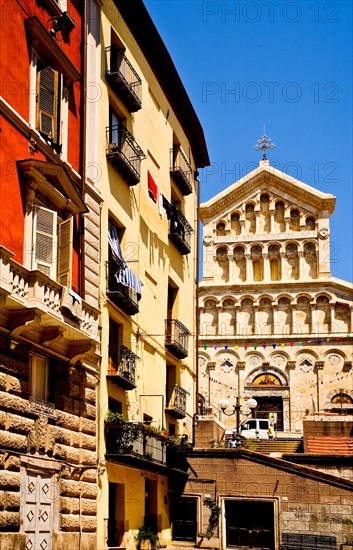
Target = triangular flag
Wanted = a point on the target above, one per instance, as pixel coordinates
(255, 346)
(291, 344)
(283, 345)
(236, 347)
(264, 346)
(205, 347)
(245, 347)
(300, 343)
(319, 341)
(274, 346)
(225, 347)
(215, 347)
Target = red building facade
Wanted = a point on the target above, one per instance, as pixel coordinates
(49, 316)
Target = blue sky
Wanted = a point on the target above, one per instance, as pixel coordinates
(287, 65)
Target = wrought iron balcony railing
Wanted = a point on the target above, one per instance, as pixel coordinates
(177, 403)
(176, 338)
(181, 170)
(149, 448)
(180, 232)
(124, 297)
(124, 152)
(122, 367)
(123, 78)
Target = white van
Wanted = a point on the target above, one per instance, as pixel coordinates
(255, 428)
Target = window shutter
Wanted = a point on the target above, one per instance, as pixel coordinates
(44, 241)
(47, 102)
(65, 252)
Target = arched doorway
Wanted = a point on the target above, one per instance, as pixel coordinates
(268, 388)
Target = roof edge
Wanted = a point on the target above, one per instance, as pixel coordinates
(140, 23)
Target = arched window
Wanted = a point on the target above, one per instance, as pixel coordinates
(275, 262)
(310, 223)
(294, 223)
(279, 217)
(235, 223)
(221, 229)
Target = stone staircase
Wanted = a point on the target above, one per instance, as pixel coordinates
(279, 446)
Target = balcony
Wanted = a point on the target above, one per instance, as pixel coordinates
(176, 338)
(124, 153)
(122, 367)
(124, 297)
(129, 440)
(123, 78)
(180, 232)
(32, 308)
(181, 170)
(177, 403)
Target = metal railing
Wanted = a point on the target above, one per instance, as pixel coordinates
(176, 337)
(177, 401)
(122, 145)
(119, 65)
(123, 363)
(181, 169)
(180, 232)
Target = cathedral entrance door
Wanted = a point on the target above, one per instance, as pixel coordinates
(267, 405)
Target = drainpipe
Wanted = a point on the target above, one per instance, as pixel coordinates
(83, 145)
(197, 273)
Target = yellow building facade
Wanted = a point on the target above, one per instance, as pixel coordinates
(147, 146)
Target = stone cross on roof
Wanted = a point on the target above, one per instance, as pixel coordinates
(263, 144)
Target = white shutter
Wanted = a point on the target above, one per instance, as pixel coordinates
(65, 252)
(44, 241)
(47, 102)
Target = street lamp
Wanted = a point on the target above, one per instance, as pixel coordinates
(237, 410)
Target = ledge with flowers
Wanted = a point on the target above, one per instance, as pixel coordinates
(141, 440)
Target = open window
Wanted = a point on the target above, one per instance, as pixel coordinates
(52, 245)
(48, 114)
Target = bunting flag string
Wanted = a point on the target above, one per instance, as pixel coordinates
(318, 341)
(274, 391)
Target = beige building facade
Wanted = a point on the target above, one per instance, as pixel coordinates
(275, 324)
(148, 147)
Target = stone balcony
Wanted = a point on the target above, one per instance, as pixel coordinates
(38, 310)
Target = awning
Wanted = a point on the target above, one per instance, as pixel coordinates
(124, 275)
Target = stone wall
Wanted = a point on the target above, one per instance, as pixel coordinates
(56, 440)
(306, 502)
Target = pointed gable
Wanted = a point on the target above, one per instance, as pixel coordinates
(266, 178)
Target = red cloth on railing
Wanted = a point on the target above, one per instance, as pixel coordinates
(152, 188)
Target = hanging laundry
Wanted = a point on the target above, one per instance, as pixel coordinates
(152, 188)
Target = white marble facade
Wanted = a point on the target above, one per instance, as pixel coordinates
(275, 324)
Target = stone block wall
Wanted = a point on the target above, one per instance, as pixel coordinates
(305, 503)
(207, 431)
(57, 441)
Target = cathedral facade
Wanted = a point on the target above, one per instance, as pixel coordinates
(275, 325)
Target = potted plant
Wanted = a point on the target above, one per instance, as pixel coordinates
(146, 539)
(113, 419)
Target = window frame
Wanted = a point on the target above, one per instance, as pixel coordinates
(33, 382)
